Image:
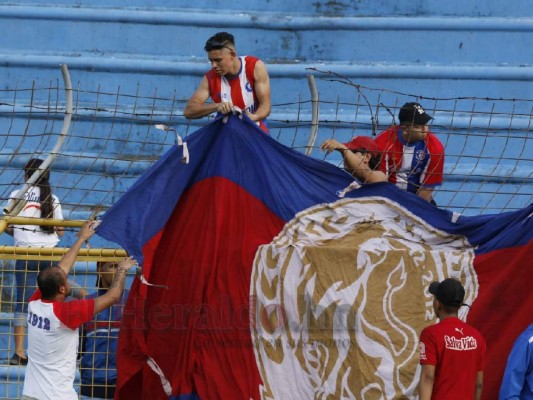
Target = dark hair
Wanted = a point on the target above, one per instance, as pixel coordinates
(49, 281)
(219, 41)
(99, 266)
(374, 161)
(450, 309)
(47, 207)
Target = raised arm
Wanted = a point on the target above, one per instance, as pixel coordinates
(262, 91)
(114, 292)
(331, 145)
(197, 107)
(67, 261)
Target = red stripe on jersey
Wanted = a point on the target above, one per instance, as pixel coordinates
(215, 84)
(74, 313)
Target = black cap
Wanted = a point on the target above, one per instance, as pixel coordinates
(450, 292)
(413, 113)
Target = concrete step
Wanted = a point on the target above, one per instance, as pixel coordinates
(112, 73)
(511, 8)
(137, 65)
(299, 36)
(432, 52)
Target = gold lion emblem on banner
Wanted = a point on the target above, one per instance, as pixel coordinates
(339, 298)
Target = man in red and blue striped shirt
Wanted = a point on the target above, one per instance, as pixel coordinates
(412, 156)
(232, 81)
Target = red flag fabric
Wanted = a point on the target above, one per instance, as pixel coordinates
(254, 248)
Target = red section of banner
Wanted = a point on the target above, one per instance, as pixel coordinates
(197, 331)
(503, 308)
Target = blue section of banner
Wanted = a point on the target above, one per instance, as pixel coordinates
(190, 396)
(285, 180)
(485, 232)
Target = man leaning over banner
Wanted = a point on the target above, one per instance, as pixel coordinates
(232, 81)
(53, 323)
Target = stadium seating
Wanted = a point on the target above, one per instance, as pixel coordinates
(136, 65)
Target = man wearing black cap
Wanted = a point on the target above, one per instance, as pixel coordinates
(452, 353)
(413, 157)
(232, 81)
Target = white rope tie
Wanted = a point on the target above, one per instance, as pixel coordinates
(139, 273)
(164, 381)
(185, 158)
(235, 111)
(179, 141)
(352, 186)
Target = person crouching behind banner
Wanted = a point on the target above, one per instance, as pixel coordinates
(361, 158)
(99, 341)
(452, 353)
(53, 334)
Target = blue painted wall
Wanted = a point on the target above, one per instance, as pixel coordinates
(136, 65)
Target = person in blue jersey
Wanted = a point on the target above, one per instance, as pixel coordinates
(99, 341)
(517, 381)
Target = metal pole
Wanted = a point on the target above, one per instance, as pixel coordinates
(73, 223)
(16, 206)
(55, 253)
(315, 114)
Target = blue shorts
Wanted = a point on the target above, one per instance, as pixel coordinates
(26, 272)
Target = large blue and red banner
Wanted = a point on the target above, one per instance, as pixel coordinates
(271, 286)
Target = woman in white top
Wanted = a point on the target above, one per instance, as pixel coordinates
(39, 202)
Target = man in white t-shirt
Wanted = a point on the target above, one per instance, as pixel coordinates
(53, 323)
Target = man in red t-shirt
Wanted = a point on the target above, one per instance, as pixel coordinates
(452, 353)
(232, 81)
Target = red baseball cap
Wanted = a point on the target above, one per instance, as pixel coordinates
(363, 143)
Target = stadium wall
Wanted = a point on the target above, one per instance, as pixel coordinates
(127, 56)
